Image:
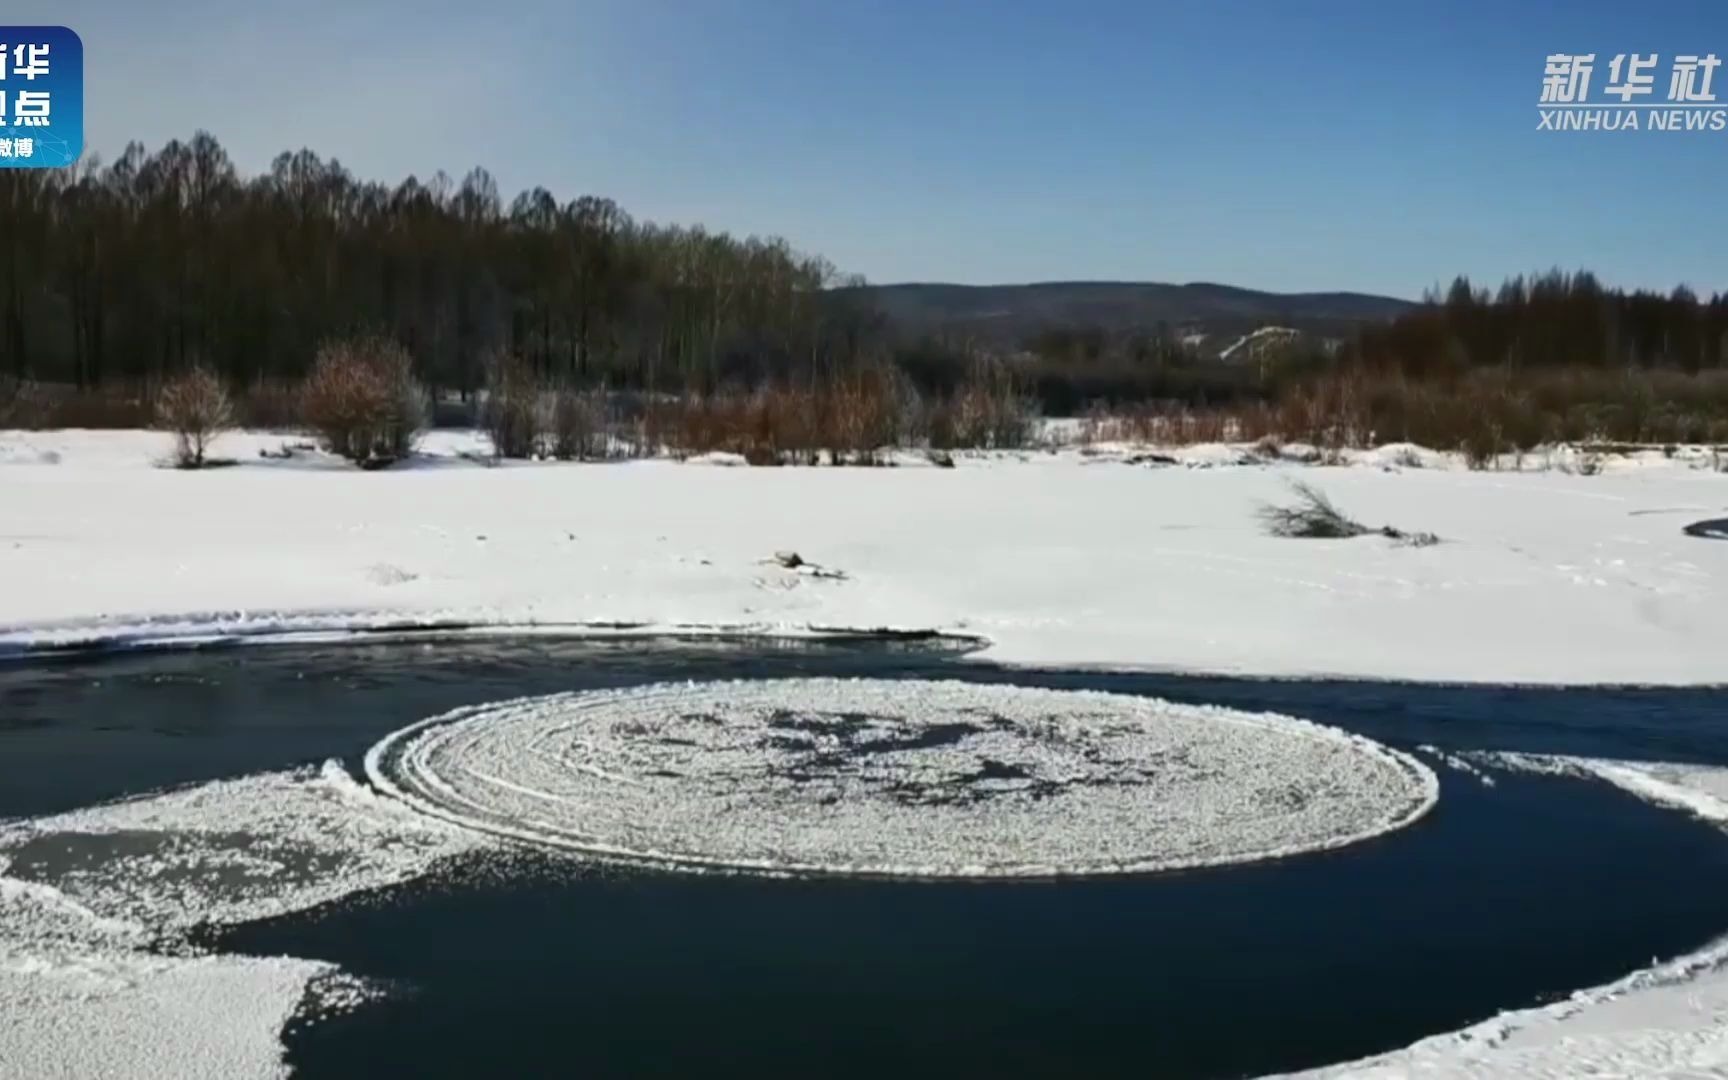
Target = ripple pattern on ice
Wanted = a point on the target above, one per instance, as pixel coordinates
(887, 777)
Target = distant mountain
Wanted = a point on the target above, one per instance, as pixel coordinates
(1202, 312)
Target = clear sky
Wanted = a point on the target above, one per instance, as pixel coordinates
(1379, 145)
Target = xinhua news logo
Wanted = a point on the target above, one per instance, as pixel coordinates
(1628, 101)
(41, 97)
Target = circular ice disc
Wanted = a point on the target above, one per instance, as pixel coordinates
(901, 778)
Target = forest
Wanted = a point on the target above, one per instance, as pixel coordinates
(158, 261)
(126, 273)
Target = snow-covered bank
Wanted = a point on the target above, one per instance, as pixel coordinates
(1078, 557)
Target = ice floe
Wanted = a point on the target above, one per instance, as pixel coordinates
(99, 975)
(901, 778)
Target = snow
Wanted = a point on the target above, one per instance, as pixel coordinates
(229, 851)
(901, 778)
(1458, 763)
(77, 1016)
(1071, 557)
(97, 977)
(1254, 336)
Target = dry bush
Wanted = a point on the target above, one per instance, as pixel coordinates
(39, 406)
(196, 408)
(1156, 424)
(694, 424)
(1311, 517)
(1129, 424)
(1488, 413)
(363, 400)
(782, 425)
(13, 401)
(1481, 445)
(271, 404)
(104, 408)
(793, 418)
(987, 413)
(851, 419)
(574, 426)
(863, 416)
(511, 414)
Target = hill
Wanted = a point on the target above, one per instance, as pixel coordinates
(1007, 315)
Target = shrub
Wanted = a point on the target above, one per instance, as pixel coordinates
(12, 401)
(39, 406)
(848, 417)
(269, 403)
(574, 427)
(363, 400)
(1481, 445)
(863, 416)
(511, 414)
(1486, 413)
(988, 413)
(196, 408)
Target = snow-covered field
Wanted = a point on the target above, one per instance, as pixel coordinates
(1062, 558)
(1073, 557)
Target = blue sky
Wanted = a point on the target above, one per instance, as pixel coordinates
(1294, 145)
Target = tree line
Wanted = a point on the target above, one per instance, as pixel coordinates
(157, 262)
(154, 263)
(1547, 322)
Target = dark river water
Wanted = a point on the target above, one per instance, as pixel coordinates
(539, 965)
